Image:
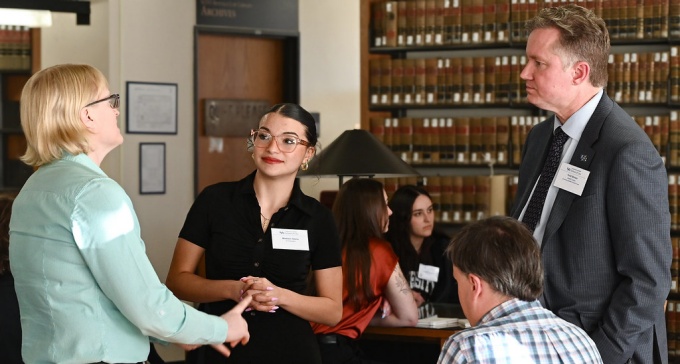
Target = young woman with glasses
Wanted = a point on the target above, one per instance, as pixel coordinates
(87, 292)
(262, 237)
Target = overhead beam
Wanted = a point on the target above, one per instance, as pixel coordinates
(80, 8)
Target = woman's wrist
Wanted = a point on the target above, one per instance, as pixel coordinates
(234, 290)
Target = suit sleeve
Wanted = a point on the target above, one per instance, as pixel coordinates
(639, 224)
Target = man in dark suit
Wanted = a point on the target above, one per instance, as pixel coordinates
(604, 228)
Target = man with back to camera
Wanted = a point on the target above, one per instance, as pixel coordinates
(497, 265)
(600, 216)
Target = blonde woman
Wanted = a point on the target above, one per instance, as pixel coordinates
(86, 289)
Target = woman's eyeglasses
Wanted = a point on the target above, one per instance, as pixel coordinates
(286, 142)
(114, 101)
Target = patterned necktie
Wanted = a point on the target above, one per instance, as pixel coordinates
(533, 213)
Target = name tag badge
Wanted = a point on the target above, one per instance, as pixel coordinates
(571, 178)
(428, 272)
(290, 239)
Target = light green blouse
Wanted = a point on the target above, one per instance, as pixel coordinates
(87, 291)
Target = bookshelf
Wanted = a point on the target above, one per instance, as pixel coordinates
(440, 86)
(19, 59)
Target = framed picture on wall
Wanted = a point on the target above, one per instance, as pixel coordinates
(151, 168)
(151, 108)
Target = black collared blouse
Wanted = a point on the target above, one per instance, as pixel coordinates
(225, 221)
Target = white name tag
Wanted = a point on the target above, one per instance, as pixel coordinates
(428, 272)
(571, 178)
(290, 239)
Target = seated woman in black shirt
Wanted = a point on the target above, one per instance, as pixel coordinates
(420, 247)
(262, 236)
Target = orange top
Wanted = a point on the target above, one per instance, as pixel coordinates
(353, 323)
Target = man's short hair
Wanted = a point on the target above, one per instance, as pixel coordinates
(503, 252)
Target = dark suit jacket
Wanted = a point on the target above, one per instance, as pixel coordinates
(607, 253)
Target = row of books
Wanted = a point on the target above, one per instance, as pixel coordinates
(460, 140)
(419, 23)
(493, 140)
(462, 199)
(640, 77)
(633, 78)
(674, 74)
(673, 322)
(674, 199)
(447, 81)
(15, 48)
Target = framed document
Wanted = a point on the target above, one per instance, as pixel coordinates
(151, 108)
(151, 168)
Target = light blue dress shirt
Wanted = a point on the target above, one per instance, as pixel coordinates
(87, 291)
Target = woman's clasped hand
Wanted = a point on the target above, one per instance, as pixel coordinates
(264, 294)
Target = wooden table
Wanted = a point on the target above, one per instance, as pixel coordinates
(409, 334)
(419, 334)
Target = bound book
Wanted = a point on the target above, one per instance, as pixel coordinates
(420, 81)
(478, 70)
(402, 25)
(489, 80)
(397, 81)
(430, 10)
(385, 81)
(502, 21)
(457, 199)
(468, 80)
(446, 199)
(431, 89)
(390, 23)
(502, 140)
(374, 80)
(502, 81)
(674, 140)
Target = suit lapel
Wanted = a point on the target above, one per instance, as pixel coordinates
(583, 156)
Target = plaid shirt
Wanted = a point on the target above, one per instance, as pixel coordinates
(520, 332)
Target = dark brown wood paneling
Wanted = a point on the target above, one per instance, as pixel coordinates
(233, 67)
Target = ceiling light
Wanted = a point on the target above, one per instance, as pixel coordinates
(25, 17)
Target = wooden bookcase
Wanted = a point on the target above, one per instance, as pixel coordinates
(19, 59)
(644, 78)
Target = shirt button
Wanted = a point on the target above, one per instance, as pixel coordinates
(257, 264)
(259, 240)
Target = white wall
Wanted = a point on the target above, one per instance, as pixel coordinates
(330, 82)
(153, 41)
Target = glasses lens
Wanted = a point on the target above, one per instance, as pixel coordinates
(286, 143)
(261, 139)
(114, 101)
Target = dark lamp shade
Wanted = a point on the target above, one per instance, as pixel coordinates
(357, 153)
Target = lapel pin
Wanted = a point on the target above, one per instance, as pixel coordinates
(584, 158)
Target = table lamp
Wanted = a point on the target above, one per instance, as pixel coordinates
(357, 153)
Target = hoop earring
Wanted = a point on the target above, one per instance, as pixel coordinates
(304, 165)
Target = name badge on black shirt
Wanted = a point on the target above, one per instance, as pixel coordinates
(290, 239)
(428, 272)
